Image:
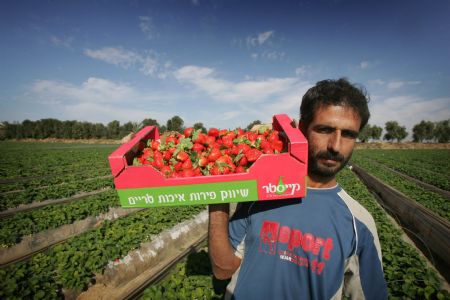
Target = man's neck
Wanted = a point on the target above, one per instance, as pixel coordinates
(321, 182)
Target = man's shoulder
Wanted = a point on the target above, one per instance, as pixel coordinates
(357, 210)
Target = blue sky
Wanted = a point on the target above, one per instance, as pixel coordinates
(223, 63)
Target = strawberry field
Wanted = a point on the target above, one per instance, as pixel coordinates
(73, 182)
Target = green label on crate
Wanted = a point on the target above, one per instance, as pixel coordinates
(208, 193)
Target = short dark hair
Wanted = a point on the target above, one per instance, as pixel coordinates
(335, 92)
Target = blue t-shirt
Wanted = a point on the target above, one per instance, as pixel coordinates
(318, 247)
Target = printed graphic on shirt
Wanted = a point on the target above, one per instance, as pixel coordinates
(291, 244)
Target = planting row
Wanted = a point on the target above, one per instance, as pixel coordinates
(53, 192)
(52, 179)
(190, 279)
(21, 159)
(406, 271)
(73, 264)
(429, 166)
(430, 200)
(21, 224)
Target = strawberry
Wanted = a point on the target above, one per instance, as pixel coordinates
(203, 161)
(253, 154)
(187, 164)
(209, 140)
(265, 144)
(182, 156)
(277, 146)
(243, 161)
(158, 163)
(178, 166)
(240, 169)
(213, 132)
(197, 172)
(273, 136)
(198, 147)
(223, 132)
(166, 171)
(268, 151)
(214, 154)
(251, 136)
(155, 145)
(188, 132)
(227, 141)
(240, 132)
(167, 155)
(243, 147)
(171, 139)
(187, 173)
(199, 137)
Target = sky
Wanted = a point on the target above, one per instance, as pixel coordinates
(222, 63)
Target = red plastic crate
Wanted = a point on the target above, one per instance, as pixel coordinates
(271, 177)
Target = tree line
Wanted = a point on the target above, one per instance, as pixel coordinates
(425, 131)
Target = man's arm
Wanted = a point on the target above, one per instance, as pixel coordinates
(365, 277)
(223, 260)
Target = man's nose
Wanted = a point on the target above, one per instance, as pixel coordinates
(334, 143)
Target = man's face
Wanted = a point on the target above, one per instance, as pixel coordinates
(331, 137)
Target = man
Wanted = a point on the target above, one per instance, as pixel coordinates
(323, 246)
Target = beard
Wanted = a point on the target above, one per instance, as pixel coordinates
(318, 168)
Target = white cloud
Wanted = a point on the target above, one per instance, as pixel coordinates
(147, 27)
(376, 82)
(148, 62)
(365, 64)
(115, 56)
(98, 99)
(269, 55)
(226, 91)
(301, 71)
(408, 110)
(62, 42)
(393, 84)
(259, 39)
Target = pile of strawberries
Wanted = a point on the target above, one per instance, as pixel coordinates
(218, 152)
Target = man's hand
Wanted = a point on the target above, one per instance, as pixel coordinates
(223, 261)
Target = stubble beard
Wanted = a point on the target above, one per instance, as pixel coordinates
(321, 170)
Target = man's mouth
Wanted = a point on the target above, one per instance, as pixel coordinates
(330, 162)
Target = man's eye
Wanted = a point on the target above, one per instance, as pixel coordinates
(350, 134)
(324, 130)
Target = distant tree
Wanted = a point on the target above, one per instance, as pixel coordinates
(99, 131)
(175, 124)
(149, 122)
(199, 125)
(442, 131)
(28, 129)
(113, 129)
(126, 129)
(364, 134)
(256, 122)
(423, 131)
(3, 130)
(162, 128)
(370, 132)
(376, 132)
(394, 131)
